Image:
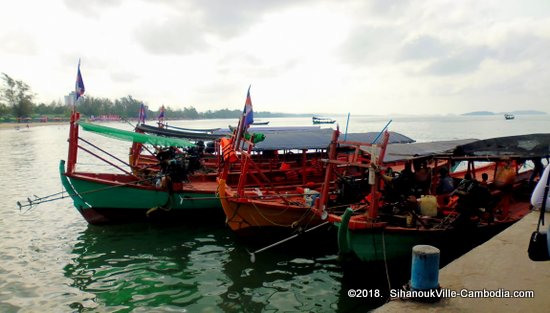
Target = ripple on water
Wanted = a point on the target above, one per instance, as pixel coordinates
(52, 261)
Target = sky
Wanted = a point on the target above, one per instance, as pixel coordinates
(311, 56)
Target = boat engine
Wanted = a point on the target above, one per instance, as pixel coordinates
(194, 155)
(173, 164)
(352, 189)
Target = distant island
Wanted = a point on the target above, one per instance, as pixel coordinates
(521, 112)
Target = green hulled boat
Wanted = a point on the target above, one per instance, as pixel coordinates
(167, 192)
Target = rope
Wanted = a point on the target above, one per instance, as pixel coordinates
(386, 261)
(36, 202)
(253, 254)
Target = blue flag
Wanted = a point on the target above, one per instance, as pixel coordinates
(161, 114)
(79, 86)
(142, 114)
(247, 112)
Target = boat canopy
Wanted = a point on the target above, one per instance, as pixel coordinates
(135, 137)
(410, 151)
(278, 138)
(522, 146)
(180, 132)
(318, 138)
(371, 136)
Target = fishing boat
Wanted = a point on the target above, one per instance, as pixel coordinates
(260, 123)
(509, 116)
(133, 194)
(374, 228)
(322, 120)
(281, 203)
(167, 176)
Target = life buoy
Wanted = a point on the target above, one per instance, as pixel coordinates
(228, 152)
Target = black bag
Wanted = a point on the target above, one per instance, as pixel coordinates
(538, 248)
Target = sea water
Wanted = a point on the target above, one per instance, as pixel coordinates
(51, 260)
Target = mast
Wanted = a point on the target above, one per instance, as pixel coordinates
(322, 204)
(373, 209)
(73, 126)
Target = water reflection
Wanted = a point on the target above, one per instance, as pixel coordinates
(198, 268)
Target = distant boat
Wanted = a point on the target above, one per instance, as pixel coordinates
(509, 116)
(260, 123)
(322, 120)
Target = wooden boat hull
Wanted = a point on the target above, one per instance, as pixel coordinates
(102, 201)
(394, 243)
(249, 216)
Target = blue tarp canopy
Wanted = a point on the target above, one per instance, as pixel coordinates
(318, 138)
(410, 151)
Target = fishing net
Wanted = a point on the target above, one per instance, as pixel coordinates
(135, 137)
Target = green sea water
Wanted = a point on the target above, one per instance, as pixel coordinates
(51, 260)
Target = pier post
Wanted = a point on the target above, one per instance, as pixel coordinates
(425, 269)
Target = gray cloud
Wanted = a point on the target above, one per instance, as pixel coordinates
(123, 76)
(91, 7)
(518, 46)
(423, 47)
(459, 62)
(389, 7)
(175, 36)
(370, 44)
(192, 21)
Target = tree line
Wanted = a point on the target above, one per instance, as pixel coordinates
(17, 101)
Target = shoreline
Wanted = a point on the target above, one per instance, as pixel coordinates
(30, 125)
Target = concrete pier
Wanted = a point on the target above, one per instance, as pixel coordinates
(501, 264)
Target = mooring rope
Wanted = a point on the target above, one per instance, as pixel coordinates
(33, 203)
(386, 261)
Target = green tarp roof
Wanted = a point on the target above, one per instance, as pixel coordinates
(135, 137)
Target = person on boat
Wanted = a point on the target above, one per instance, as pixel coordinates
(402, 185)
(445, 184)
(538, 193)
(422, 178)
(482, 196)
(473, 201)
(484, 180)
(464, 186)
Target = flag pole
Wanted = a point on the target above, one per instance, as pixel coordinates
(347, 124)
(240, 126)
(76, 87)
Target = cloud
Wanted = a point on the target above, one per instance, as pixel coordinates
(187, 27)
(123, 76)
(423, 47)
(370, 45)
(18, 43)
(385, 7)
(465, 60)
(174, 36)
(92, 8)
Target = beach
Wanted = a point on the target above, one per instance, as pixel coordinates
(29, 125)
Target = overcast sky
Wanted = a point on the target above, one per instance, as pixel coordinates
(358, 56)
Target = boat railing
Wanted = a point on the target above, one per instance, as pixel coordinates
(101, 158)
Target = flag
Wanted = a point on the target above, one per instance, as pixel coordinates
(248, 114)
(161, 114)
(79, 86)
(142, 114)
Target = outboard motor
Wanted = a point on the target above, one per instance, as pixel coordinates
(173, 165)
(352, 189)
